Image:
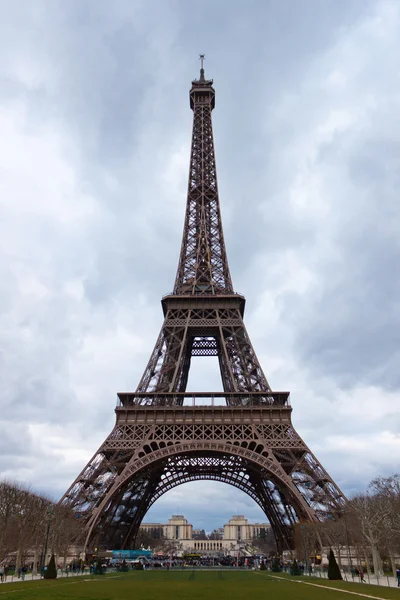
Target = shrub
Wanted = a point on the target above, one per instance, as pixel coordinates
(276, 565)
(294, 569)
(124, 566)
(98, 568)
(51, 571)
(333, 568)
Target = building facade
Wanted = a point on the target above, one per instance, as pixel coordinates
(177, 528)
(238, 528)
(236, 534)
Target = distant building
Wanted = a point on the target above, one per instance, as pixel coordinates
(178, 528)
(233, 536)
(199, 534)
(238, 528)
(154, 530)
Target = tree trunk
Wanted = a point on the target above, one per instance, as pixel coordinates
(393, 563)
(339, 558)
(376, 560)
(18, 561)
(357, 558)
(35, 562)
(368, 565)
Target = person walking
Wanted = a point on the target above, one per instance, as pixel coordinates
(2, 573)
(398, 577)
(362, 580)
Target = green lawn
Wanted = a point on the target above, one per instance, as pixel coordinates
(189, 585)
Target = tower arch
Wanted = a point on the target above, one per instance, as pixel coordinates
(150, 474)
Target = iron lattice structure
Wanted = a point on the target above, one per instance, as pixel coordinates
(163, 436)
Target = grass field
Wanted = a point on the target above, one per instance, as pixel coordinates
(192, 585)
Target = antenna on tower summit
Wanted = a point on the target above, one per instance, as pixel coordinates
(202, 57)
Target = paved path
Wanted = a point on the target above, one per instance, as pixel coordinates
(31, 577)
(384, 581)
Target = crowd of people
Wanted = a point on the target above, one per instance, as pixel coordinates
(167, 562)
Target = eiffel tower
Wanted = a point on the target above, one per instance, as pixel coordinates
(165, 436)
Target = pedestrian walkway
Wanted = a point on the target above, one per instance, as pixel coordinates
(60, 573)
(383, 580)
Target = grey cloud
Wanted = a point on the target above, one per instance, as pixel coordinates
(352, 322)
(110, 85)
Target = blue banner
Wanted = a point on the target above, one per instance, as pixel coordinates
(131, 554)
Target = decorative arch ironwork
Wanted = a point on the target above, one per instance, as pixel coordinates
(148, 477)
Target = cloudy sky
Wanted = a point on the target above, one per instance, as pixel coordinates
(95, 133)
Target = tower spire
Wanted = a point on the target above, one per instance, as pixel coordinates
(202, 57)
(203, 263)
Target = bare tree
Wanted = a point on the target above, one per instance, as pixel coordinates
(386, 491)
(372, 516)
(335, 532)
(265, 545)
(20, 515)
(64, 528)
(157, 543)
(25, 524)
(307, 538)
(9, 495)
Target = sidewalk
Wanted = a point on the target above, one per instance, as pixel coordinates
(60, 573)
(384, 581)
